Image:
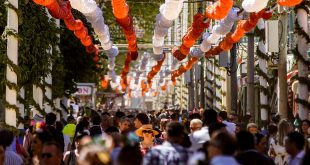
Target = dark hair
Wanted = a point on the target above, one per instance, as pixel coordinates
(297, 138)
(44, 136)
(223, 115)
(225, 143)
(53, 143)
(111, 129)
(96, 120)
(174, 129)
(186, 141)
(245, 140)
(272, 129)
(174, 116)
(105, 113)
(209, 117)
(80, 135)
(7, 138)
(119, 114)
(133, 152)
(143, 118)
(59, 126)
(70, 119)
(215, 126)
(50, 118)
(258, 138)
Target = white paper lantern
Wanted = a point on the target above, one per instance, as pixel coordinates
(84, 6)
(195, 52)
(254, 5)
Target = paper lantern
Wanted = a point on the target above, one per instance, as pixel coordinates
(171, 9)
(104, 83)
(254, 5)
(219, 9)
(289, 3)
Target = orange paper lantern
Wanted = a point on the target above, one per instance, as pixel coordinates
(289, 3)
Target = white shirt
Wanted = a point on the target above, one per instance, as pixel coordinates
(231, 127)
(198, 138)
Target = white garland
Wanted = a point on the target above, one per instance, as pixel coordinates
(254, 5)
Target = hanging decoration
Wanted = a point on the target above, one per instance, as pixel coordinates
(142, 67)
(125, 71)
(169, 11)
(254, 5)
(243, 26)
(155, 69)
(163, 86)
(198, 26)
(183, 69)
(104, 82)
(63, 11)
(289, 3)
(217, 31)
(219, 9)
(94, 15)
(121, 13)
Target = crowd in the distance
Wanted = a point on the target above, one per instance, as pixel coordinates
(165, 137)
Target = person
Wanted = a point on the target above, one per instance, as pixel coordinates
(10, 157)
(195, 125)
(261, 143)
(50, 121)
(94, 154)
(217, 127)
(140, 120)
(59, 127)
(105, 120)
(247, 154)
(69, 128)
(95, 129)
(51, 154)
(38, 138)
(276, 146)
(130, 149)
(171, 151)
(305, 124)
(148, 134)
(2, 153)
(124, 125)
(201, 136)
(306, 158)
(231, 127)
(252, 128)
(221, 149)
(294, 145)
(70, 157)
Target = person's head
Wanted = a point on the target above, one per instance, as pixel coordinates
(305, 124)
(124, 124)
(294, 143)
(201, 110)
(141, 119)
(6, 138)
(71, 120)
(130, 151)
(252, 128)
(175, 117)
(245, 141)
(51, 154)
(284, 128)
(37, 141)
(163, 124)
(223, 115)
(186, 141)
(175, 132)
(50, 118)
(261, 143)
(94, 154)
(221, 144)
(147, 132)
(209, 117)
(195, 125)
(77, 140)
(272, 129)
(96, 120)
(217, 127)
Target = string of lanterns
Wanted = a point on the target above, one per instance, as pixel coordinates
(155, 69)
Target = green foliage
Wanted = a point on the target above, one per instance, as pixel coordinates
(3, 21)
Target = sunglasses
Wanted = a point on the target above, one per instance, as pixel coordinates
(147, 131)
(47, 155)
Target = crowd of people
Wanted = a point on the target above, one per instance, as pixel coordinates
(165, 137)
